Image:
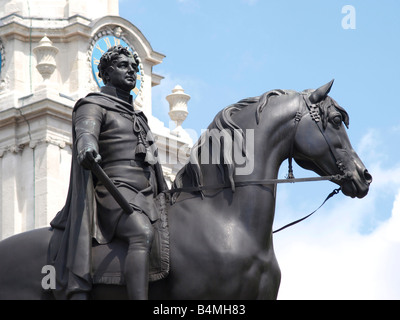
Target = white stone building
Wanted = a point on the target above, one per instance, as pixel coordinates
(48, 52)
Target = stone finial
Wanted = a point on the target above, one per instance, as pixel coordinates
(178, 100)
(45, 54)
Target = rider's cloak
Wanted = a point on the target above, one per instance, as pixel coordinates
(76, 225)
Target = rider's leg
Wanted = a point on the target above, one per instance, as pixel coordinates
(137, 230)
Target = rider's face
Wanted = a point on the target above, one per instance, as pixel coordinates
(122, 73)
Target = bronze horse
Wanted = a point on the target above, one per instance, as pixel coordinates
(221, 239)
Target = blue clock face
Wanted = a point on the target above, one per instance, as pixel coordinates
(100, 47)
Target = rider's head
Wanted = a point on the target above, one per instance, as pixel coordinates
(118, 68)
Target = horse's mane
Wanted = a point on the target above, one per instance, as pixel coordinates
(223, 122)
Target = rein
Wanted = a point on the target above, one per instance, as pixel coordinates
(267, 182)
(254, 182)
(334, 192)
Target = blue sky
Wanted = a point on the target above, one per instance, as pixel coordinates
(221, 51)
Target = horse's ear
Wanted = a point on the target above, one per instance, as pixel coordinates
(321, 93)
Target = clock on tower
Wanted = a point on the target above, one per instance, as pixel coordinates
(102, 45)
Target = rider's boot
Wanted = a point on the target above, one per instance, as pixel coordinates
(137, 274)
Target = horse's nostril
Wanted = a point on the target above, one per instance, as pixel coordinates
(367, 177)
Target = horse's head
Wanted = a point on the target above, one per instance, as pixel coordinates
(321, 143)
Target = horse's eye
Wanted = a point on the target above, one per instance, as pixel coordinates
(337, 120)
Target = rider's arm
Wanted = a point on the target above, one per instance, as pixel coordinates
(88, 119)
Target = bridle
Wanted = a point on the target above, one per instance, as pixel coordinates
(315, 116)
(313, 110)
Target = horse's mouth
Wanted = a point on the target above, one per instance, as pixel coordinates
(357, 187)
(354, 184)
(349, 189)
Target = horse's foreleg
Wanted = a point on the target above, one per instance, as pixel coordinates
(270, 279)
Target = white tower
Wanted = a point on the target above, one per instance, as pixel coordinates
(49, 50)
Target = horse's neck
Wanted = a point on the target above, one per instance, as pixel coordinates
(268, 147)
(268, 144)
(274, 135)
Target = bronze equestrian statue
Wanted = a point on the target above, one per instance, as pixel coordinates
(221, 212)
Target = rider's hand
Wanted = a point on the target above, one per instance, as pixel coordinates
(87, 156)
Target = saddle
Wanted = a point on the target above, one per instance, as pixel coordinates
(109, 259)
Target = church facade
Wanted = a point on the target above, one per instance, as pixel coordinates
(49, 51)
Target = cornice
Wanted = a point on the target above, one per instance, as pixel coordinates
(32, 29)
(32, 116)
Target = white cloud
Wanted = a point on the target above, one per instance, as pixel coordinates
(369, 144)
(340, 263)
(329, 257)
